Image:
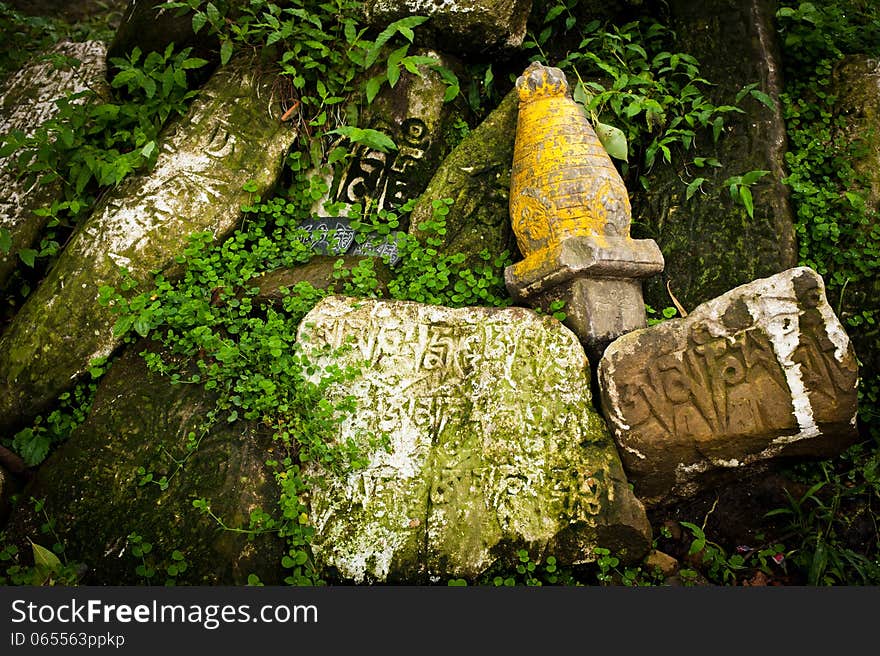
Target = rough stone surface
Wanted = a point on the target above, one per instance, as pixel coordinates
(764, 372)
(709, 243)
(92, 491)
(476, 175)
(492, 444)
(856, 83)
(459, 26)
(150, 27)
(27, 101)
(232, 135)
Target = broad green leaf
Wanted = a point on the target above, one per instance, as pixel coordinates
(213, 13)
(5, 240)
(553, 13)
(123, 325)
(33, 447)
(371, 138)
(745, 196)
(753, 176)
(717, 126)
(764, 98)
(225, 52)
(193, 62)
(373, 86)
(44, 558)
(613, 140)
(28, 255)
(693, 187)
(393, 66)
(403, 26)
(198, 21)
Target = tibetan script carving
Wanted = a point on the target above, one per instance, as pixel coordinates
(748, 376)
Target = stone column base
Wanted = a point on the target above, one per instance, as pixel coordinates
(599, 279)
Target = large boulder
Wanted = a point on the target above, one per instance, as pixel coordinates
(856, 83)
(476, 176)
(97, 497)
(490, 444)
(710, 243)
(762, 373)
(227, 140)
(459, 26)
(27, 101)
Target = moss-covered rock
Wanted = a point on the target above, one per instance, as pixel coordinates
(480, 439)
(27, 101)
(856, 84)
(709, 242)
(94, 491)
(231, 136)
(321, 272)
(415, 115)
(476, 176)
(459, 26)
(149, 26)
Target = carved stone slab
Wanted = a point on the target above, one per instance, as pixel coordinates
(27, 101)
(413, 114)
(335, 236)
(492, 444)
(764, 371)
(232, 135)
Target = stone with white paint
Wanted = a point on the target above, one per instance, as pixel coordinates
(232, 135)
(762, 372)
(459, 26)
(69, 70)
(492, 444)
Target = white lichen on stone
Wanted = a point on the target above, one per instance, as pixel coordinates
(425, 7)
(205, 159)
(487, 415)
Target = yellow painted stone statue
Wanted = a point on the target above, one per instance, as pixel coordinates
(563, 183)
(571, 215)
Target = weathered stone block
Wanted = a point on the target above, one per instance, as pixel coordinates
(763, 372)
(476, 176)
(460, 26)
(232, 135)
(92, 489)
(492, 444)
(29, 100)
(856, 83)
(320, 272)
(709, 242)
